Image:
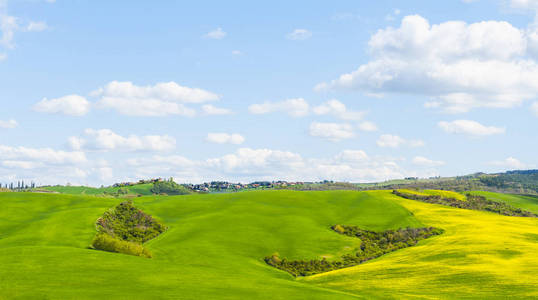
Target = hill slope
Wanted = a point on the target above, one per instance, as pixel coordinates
(216, 243)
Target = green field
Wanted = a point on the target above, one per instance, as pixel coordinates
(526, 202)
(139, 189)
(216, 243)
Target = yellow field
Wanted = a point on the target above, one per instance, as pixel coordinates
(481, 255)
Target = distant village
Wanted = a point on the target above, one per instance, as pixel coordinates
(221, 186)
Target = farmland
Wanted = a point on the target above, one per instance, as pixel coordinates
(215, 245)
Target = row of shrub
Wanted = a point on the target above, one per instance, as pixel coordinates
(474, 202)
(108, 243)
(373, 244)
(124, 229)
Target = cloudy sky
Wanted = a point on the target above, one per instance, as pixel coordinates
(96, 92)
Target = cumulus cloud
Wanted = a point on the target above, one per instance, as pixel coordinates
(297, 107)
(339, 110)
(72, 105)
(210, 110)
(367, 126)
(8, 124)
(248, 164)
(40, 155)
(524, 4)
(510, 163)
(426, 162)
(9, 25)
(161, 99)
(217, 34)
(469, 127)
(462, 66)
(299, 34)
(332, 131)
(225, 138)
(107, 140)
(37, 26)
(394, 141)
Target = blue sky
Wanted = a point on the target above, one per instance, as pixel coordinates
(96, 92)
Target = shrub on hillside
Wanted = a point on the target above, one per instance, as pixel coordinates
(473, 202)
(124, 229)
(169, 188)
(128, 223)
(373, 244)
(108, 243)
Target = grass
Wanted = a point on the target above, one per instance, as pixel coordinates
(140, 189)
(526, 202)
(216, 243)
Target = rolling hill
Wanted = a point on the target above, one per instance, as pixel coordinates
(215, 245)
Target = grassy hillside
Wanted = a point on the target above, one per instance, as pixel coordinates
(216, 243)
(526, 202)
(141, 189)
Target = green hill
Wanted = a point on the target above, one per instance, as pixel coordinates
(138, 189)
(215, 246)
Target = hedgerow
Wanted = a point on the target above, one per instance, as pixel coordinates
(373, 244)
(474, 202)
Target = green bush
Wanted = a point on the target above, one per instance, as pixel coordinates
(108, 243)
(169, 188)
(373, 244)
(128, 223)
(124, 229)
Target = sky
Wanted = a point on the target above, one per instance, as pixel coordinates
(97, 92)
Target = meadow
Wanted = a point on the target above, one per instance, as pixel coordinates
(215, 245)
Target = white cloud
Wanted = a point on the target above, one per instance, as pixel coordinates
(469, 127)
(524, 4)
(225, 138)
(352, 156)
(161, 99)
(299, 34)
(462, 66)
(8, 124)
(72, 105)
(37, 26)
(294, 107)
(41, 155)
(339, 110)
(209, 110)
(332, 131)
(510, 163)
(426, 162)
(9, 25)
(534, 108)
(163, 91)
(237, 52)
(145, 107)
(216, 34)
(394, 141)
(107, 140)
(388, 140)
(367, 126)
(248, 165)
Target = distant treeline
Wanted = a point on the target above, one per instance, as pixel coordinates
(373, 244)
(474, 202)
(516, 182)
